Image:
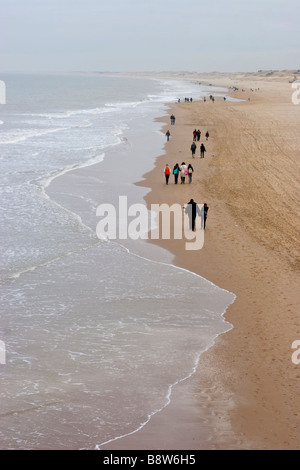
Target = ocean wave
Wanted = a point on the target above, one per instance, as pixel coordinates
(45, 182)
(69, 113)
(124, 104)
(28, 269)
(21, 137)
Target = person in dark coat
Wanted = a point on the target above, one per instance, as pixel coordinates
(205, 210)
(193, 149)
(190, 171)
(192, 210)
(202, 150)
(176, 173)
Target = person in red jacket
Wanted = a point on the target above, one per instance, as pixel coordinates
(167, 173)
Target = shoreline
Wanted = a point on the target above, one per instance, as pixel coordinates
(253, 402)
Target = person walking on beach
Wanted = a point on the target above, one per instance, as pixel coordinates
(204, 211)
(167, 173)
(202, 150)
(176, 173)
(192, 210)
(194, 135)
(198, 134)
(172, 118)
(207, 135)
(190, 172)
(168, 135)
(183, 172)
(193, 149)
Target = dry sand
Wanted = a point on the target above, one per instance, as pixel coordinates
(245, 394)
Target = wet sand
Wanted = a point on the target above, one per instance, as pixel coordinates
(245, 393)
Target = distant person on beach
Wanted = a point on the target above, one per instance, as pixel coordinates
(205, 210)
(167, 173)
(190, 172)
(176, 170)
(202, 150)
(183, 172)
(207, 135)
(194, 135)
(193, 149)
(172, 118)
(168, 135)
(198, 134)
(192, 210)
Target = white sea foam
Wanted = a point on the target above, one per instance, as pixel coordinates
(19, 137)
(45, 182)
(166, 403)
(29, 269)
(129, 104)
(70, 113)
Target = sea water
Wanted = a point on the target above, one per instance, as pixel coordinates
(96, 333)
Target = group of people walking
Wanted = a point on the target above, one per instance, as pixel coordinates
(192, 210)
(194, 148)
(182, 170)
(196, 137)
(186, 171)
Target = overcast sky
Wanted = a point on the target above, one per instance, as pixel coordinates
(149, 35)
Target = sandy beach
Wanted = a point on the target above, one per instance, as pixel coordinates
(246, 388)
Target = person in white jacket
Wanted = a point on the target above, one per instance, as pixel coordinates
(183, 172)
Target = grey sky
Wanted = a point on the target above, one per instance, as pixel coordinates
(149, 35)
